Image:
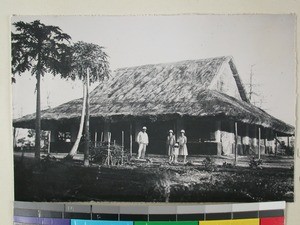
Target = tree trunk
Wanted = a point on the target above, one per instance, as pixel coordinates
(87, 121)
(14, 137)
(76, 144)
(38, 118)
(259, 137)
(235, 144)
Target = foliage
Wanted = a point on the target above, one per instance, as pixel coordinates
(99, 154)
(209, 163)
(40, 48)
(255, 163)
(27, 143)
(227, 165)
(89, 56)
(21, 141)
(89, 63)
(289, 151)
(23, 144)
(72, 182)
(47, 161)
(44, 134)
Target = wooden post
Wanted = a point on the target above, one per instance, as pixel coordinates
(49, 141)
(266, 141)
(101, 138)
(245, 139)
(122, 148)
(288, 142)
(87, 121)
(276, 144)
(108, 148)
(259, 136)
(106, 130)
(96, 134)
(255, 138)
(266, 145)
(235, 145)
(218, 131)
(14, 140)
(130, 137)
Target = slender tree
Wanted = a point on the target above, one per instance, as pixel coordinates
(40, 49)
(79, 134)
(89, 64)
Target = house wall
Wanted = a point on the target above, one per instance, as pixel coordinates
(179, 125)
(157, 132)
(202, 137)
(137, 128)
(205, 137)
(106, 129)
(223, 132)
(247, 139)
(225, 83)
(54, 134)
(227, 142)
(227, 137)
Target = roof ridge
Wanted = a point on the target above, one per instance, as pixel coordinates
(228, 57)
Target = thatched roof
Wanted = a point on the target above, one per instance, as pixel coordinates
(164, 90)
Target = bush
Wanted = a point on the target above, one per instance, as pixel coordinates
(209, 163)
(227, 165)
(289, 151)
(255, 163)
(99, 154)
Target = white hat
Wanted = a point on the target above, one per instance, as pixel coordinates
(170, 131)
(182, 131)
(144, 128)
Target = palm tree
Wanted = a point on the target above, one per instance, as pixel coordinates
(89, 64)
(40, 49)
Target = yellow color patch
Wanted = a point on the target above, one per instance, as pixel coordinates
(231, 222)
(215, 222)
(245, 222)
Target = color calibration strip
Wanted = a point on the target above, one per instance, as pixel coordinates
(264, 213)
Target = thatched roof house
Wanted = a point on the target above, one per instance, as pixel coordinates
(204, 94)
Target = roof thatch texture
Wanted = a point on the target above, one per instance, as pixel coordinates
(177, 89)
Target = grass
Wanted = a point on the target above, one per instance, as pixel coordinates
(58, 180)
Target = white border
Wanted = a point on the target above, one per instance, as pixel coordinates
(113, 7)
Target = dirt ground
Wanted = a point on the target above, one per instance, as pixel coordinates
(155, 180)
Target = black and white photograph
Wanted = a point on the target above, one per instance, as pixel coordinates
(182, 108)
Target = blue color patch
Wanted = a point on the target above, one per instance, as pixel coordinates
(24, 219)
(100, 222)
(44, 221)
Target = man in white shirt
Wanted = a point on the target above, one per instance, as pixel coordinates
(143, 141)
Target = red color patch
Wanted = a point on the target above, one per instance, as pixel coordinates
(272, 221)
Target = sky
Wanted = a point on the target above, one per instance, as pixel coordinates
(264, 44)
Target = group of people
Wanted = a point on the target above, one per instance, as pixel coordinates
(174, 148)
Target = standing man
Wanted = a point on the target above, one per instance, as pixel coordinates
(143, 141)
(170, 145)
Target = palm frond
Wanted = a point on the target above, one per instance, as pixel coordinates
(35, 40)
(91, 56)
